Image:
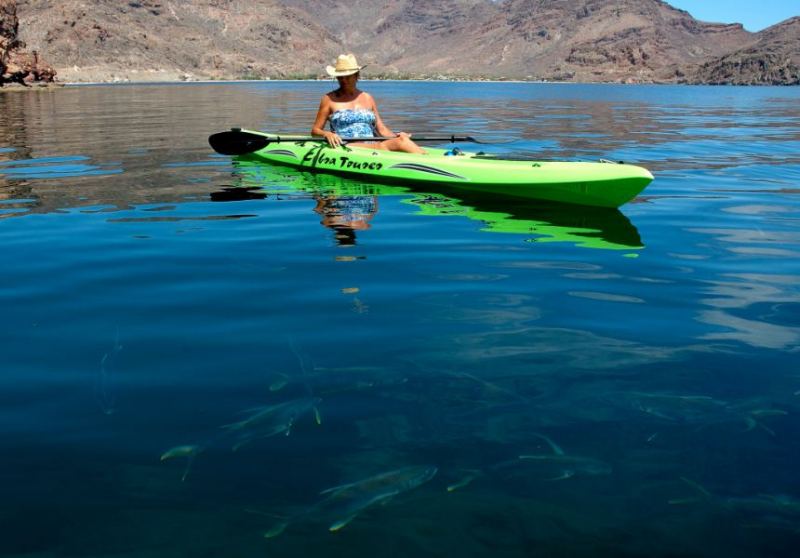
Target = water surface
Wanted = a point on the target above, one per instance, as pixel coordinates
(643, 361)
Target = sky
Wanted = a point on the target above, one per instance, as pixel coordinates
(755, 16)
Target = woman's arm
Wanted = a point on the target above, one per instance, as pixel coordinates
(318, 129)
(382, 129)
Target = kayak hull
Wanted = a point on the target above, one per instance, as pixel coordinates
(602, 184)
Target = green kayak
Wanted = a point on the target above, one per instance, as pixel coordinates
(601, 184)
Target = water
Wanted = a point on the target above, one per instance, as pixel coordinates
(646, 360)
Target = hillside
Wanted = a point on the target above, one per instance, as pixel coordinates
(773, 59)
(570, 40)
(155, 40)
(584, 40)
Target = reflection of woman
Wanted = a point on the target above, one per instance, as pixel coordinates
(352, 113)
(346, 214)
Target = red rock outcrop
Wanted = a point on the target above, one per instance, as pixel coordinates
(16, 64)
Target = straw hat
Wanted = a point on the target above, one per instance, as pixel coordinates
(346, 65)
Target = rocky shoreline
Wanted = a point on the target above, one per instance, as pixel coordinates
(18, 67)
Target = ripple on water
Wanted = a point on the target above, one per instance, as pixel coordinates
(54, 168)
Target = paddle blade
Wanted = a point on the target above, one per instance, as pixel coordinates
(236, 142)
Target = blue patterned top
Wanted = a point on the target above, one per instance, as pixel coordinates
(353, 123)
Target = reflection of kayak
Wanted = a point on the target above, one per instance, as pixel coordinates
(539, 222)
(587, 227)
(603, 184)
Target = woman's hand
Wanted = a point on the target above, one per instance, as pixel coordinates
(333, 139)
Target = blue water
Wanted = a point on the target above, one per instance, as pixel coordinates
(644, 362)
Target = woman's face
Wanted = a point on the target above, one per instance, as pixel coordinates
(348, 80)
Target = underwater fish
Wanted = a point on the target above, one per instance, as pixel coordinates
(680, 408)
(279, 382)
(700, 410)
(345, 502)
(765, 503)
(565, 466)
(697, 486)
(774, 522)
(471, 475)
(330, 381)
(262, 422)
(752, 419)
(271, 420)
(189, 451)
(490, 389)
(703, 494)
(568, 466)
(550, 467)
(761, 510)
(555, 447)
(104, 392)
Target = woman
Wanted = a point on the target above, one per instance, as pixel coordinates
(353, 113)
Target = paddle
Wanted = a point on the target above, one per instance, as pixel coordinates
(240, 142)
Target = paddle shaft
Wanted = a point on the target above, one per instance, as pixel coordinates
(451, 139)
(240, 142)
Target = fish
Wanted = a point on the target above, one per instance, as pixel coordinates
(765, 511)
(561, 465)
(180, 451)
(398, 480)
(700, 410)
(189, 451)
(471, 475)
(769, 413)
(343, 503)
(349, 500)
(697, 486)
(765, 503)
(276, 530)
(761, 510)
(271, 420)
(262, 422)
(680, 408)
(491, 389)
(104, 392)
(704, 494)
(279, 383)
(330, 381)
(555, 447)
(568, 466)
(752, 419)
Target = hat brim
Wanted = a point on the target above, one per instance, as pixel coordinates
(333, 72)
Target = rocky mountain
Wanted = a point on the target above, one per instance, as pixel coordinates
(110, 40)
(17, 65)
(773, 59)
(583, 40)
(573, 40)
